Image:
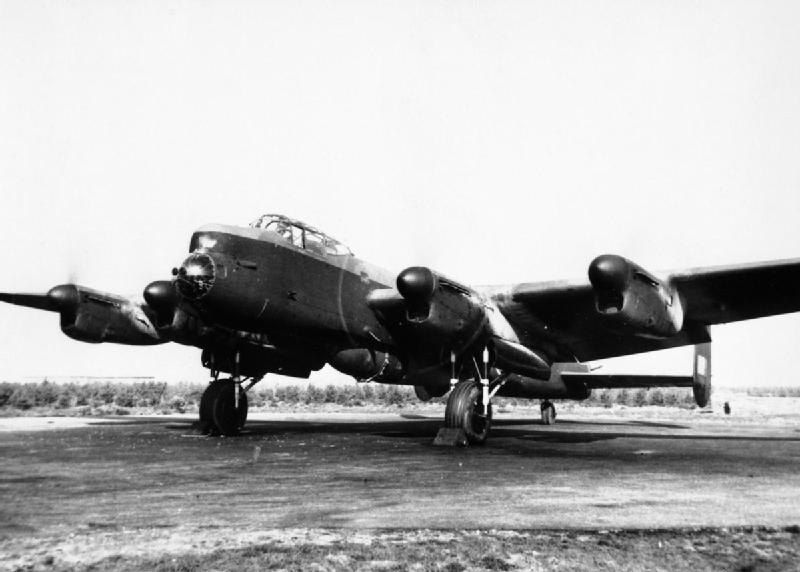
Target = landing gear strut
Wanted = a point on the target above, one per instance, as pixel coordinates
(469, 406)
(548, 413)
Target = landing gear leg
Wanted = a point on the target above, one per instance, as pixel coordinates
(548, 413)
(469, 408)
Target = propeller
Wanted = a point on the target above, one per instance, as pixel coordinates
(63, 298)
(72, 275)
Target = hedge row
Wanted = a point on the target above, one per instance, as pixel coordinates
(785, 391)
(186, 396)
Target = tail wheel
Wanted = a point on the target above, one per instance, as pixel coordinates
(465, 411)
(207, 406)
(548, 413)
(228, 418)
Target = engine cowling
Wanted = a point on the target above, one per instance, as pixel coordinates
(91, 316)
(439, 310)
(632, 300)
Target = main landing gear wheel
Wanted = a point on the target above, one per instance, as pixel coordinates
(228, 418)
(218, 413)
(207, 407)
(548, 413)
(465, 411)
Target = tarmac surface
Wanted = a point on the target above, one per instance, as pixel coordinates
(107, 478)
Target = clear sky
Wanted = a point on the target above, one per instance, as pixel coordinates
(495, 141)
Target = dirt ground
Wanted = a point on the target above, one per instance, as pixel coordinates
(144, 492)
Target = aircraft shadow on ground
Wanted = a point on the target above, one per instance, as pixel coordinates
(514, 429)
(412, 426)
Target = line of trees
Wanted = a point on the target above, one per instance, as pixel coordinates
(107, 397)
(183, 397)
(784, 391)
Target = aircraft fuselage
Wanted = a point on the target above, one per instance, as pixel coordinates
(264, 284)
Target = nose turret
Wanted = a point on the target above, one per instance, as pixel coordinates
(195, 277)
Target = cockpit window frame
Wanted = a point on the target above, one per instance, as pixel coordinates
(329, 246)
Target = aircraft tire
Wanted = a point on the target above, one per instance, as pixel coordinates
(228, 418)
(207, 425)
(464, 411)
(548, 413)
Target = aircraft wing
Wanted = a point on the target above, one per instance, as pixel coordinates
(562, 319)
(93, 316)
(733, 293)
(563, 315)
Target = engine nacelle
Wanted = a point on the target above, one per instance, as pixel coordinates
(438, 309)
(556, 387)
(368, 364)
(632, 300)
(91, 316)
(514, 357)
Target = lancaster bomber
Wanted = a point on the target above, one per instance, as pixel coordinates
(280, 296)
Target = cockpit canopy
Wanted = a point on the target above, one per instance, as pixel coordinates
(301, 235)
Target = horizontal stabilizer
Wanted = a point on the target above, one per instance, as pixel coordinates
(595, 381)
